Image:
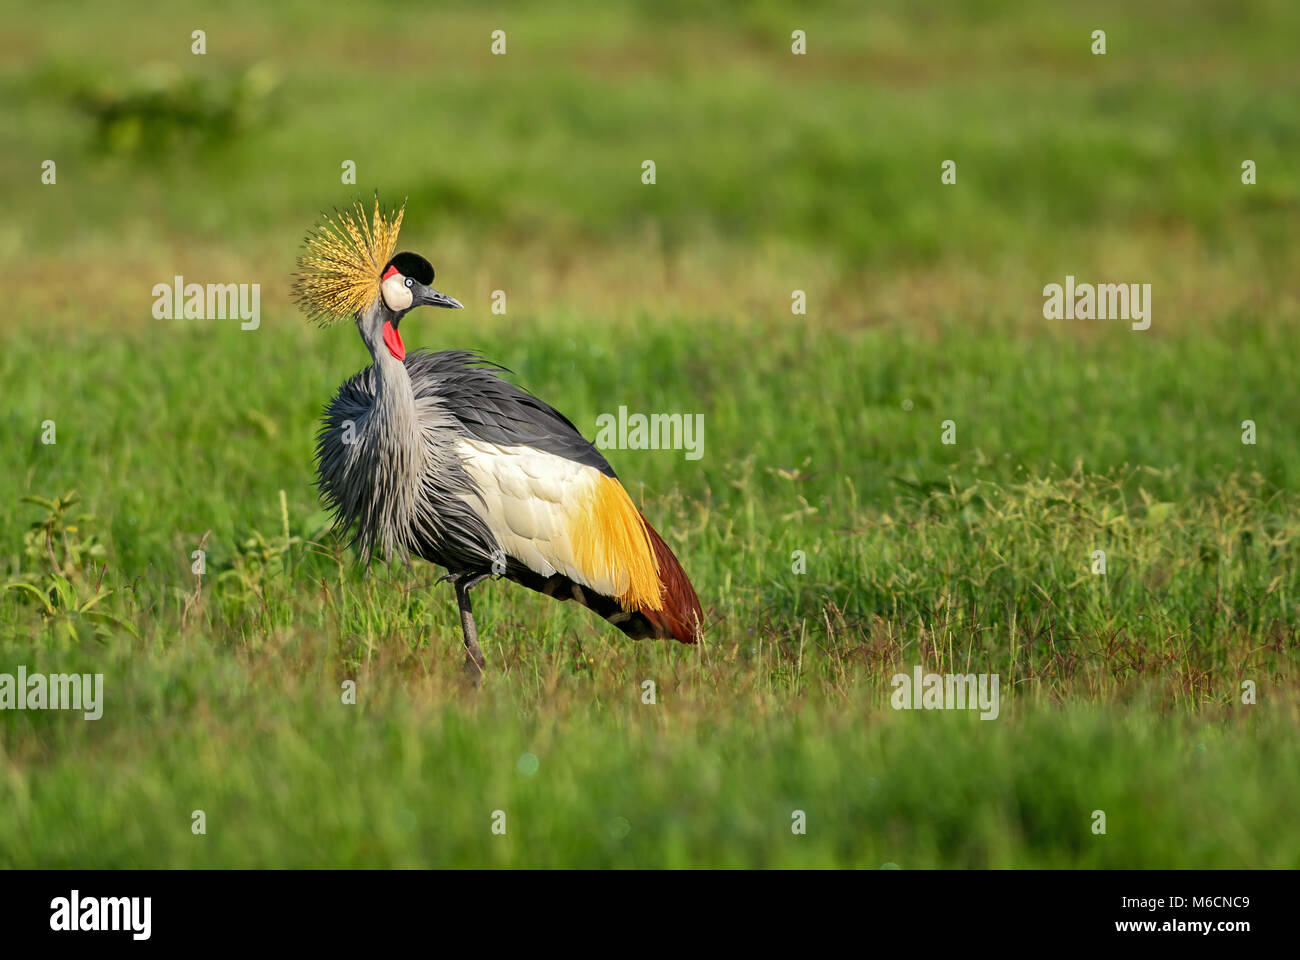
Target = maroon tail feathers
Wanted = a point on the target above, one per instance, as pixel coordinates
(681, 616)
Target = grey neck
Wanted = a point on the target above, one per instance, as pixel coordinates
(393, 428)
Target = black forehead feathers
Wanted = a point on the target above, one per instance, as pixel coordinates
(414, 266)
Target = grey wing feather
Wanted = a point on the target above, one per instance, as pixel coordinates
(495, 410)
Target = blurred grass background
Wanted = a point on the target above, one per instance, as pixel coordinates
(774, 173)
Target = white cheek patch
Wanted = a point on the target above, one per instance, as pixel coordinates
(396, 294)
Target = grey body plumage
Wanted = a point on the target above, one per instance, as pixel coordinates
(386, 461)
(387, 468)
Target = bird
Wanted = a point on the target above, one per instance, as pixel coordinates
(437, 455)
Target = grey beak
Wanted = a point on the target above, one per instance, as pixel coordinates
(433, 298)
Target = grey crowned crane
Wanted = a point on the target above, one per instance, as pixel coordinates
(434, 455)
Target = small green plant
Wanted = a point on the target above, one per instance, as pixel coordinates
(60, 544)
(59, 574)
(261, 559)
(258, 559)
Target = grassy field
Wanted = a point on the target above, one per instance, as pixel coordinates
(834, 539)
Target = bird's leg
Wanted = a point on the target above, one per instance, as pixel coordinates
(473, 652)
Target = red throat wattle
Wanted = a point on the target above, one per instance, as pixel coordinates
(393, 340)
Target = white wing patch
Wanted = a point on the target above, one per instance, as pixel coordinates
(532, 498)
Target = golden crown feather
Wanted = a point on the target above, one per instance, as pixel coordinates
(342, 259)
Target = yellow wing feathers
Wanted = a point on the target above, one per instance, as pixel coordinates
(608, 533)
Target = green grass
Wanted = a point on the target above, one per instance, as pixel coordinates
(1120, 693)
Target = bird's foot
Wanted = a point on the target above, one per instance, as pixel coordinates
(470, 580)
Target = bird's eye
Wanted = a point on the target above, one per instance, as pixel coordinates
(409, 281)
